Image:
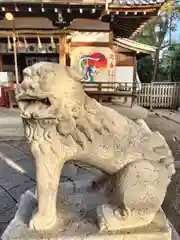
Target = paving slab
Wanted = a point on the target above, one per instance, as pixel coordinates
(9, 152)
(7, 216)
(169, 114)
(3, 164)
(7, 202)
(17, 191)
(10, 178)
(76, 171)
(21, 146)
(11, 126)
(27, 165)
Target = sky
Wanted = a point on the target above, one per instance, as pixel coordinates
(177, 33)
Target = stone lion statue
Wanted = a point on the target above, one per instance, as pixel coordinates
(62, 123)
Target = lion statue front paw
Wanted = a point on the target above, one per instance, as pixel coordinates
(40, 222)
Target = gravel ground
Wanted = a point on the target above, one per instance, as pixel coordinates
(171, 131)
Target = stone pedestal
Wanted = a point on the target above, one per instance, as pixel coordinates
(78, 220)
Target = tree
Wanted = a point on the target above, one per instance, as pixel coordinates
(145, 68)
(158, 33)
(154, 34)
(170, 63)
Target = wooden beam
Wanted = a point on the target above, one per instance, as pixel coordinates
(90, 44)
(59, 2)
(134, 6)
(68, 52)
(135, 17)
(134, 89)
(1, 63)
(32, 32)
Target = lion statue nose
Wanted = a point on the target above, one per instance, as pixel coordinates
(28, 84)
(25, 85)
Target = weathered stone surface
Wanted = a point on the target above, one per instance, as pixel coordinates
(62, 123)
(79, 221)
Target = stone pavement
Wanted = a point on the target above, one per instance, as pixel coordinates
(10, 124)
(168, 114)
(17, 174)
(14, 178)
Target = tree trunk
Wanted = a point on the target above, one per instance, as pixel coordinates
(156, 65)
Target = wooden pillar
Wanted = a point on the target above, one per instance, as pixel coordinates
(68, 52)
(151, 98)
(1, 63)
(134, 87)
(62, 50)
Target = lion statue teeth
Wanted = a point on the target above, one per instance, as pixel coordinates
(62, 123)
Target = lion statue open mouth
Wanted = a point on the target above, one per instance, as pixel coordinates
(62, 123)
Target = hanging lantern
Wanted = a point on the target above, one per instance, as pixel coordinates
(9, 43)
(20, 44)
(39, 42)
(9, 16)
(53, 45)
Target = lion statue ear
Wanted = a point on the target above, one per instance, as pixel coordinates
(74, 74)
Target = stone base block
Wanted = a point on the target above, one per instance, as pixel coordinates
(78, 221)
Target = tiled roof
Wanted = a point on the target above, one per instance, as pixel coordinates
(124, 2)
(137, 2)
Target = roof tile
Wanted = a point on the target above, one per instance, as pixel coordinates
(137, 2)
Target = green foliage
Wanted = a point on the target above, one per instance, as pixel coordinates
(158, 33)
(170, 63)
(169, 66)
(154, 32)
(145, 68)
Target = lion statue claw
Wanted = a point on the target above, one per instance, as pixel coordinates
(62, 123)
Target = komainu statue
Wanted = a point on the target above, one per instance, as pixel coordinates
(62, 123)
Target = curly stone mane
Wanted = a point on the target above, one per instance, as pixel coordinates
(76, 114)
